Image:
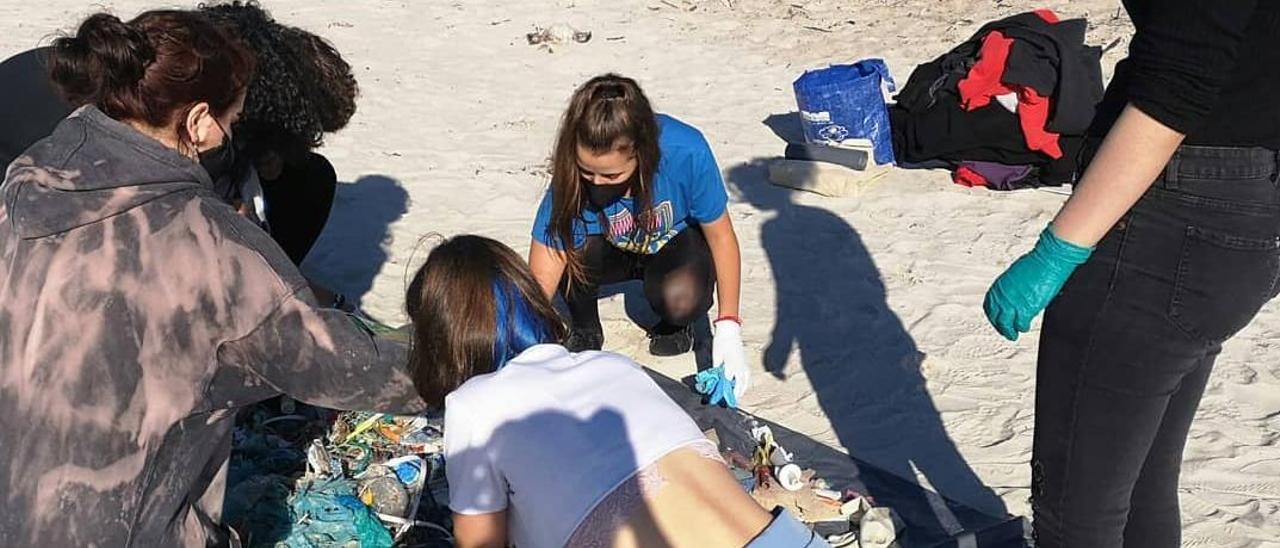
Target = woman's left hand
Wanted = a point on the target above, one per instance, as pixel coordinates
(1031, 283)
(727, 351)
(1130, 159)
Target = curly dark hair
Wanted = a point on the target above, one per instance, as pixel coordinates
(303, 87)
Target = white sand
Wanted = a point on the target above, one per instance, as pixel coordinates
(457, 117)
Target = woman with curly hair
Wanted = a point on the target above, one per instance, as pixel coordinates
(303, 90)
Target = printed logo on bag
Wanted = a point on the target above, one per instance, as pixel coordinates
(834, 132)
(823, 117)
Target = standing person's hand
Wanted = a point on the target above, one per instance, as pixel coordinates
(1031, 283)
(726, 351)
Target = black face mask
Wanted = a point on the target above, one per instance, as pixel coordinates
(603, 196)
(219, 161)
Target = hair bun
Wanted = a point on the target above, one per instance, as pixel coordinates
(122, 50)
(151, 68)
(104, 54)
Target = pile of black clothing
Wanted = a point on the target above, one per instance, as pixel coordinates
(958, 111)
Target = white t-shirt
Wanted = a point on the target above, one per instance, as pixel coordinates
(551, 434)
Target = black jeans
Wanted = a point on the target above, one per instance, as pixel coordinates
(1128, 345)
(678, 280)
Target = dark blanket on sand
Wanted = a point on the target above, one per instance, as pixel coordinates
(908, 499)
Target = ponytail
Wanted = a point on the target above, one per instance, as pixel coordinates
(607, 112)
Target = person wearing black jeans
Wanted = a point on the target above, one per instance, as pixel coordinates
(1169, 246)
(682, 266)
(1128, 346)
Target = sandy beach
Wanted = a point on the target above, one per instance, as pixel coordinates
(863, 315)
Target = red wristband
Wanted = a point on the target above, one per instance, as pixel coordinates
(734, 319)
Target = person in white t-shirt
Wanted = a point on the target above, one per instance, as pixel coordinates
(544, 447)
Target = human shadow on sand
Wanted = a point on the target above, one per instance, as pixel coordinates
(352, 249)
(862, 364)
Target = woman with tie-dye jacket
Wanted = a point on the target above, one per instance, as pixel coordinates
(138, 311)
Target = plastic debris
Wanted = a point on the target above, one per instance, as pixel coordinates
(327, 513)
(381, 490)
(555, 35)
(790, 477)
(879, 528)
(827, 494)
(855, 508)
(306, 477)
(318, 478)
(774, 478)
(849, 539)
(258, 508)
(364, 426)
(319, 462)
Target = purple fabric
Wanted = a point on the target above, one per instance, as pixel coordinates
(999, 176)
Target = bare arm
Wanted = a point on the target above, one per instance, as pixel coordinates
(548, 267)
(1179, 63)
(728, 260)
(1131, 157)
(481, 530)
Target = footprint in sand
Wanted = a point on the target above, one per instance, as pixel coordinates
(1255, 401)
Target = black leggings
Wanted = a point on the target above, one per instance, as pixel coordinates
(678, 280)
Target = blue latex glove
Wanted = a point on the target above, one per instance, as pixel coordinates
(718, 389)
(1031, 283)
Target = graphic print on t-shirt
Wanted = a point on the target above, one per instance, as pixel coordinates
(625, 234)
(686, 189)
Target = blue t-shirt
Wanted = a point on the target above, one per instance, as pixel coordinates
(687, 189)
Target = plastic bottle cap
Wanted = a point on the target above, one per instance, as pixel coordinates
(791, 477)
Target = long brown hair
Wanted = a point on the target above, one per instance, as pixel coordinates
(153, 68)
(607, 112)
(474, 305)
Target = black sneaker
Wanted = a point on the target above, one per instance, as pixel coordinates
(667, 344)
(581, 340)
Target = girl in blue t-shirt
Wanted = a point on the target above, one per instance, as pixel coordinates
(638, 195)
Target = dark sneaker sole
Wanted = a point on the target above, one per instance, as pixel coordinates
(675, 344)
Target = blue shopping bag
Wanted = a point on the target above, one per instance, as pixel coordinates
(846, 102)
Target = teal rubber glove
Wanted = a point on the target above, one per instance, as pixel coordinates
(1031, 283)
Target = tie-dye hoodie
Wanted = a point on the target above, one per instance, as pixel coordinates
(137, 313)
